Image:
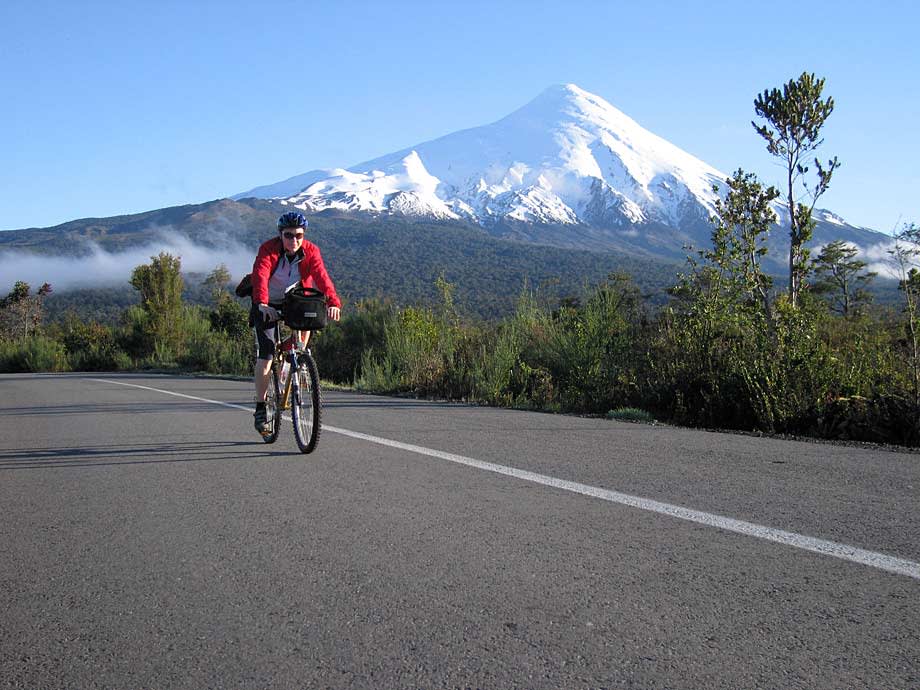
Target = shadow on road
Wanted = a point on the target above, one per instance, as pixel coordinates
(135, 454)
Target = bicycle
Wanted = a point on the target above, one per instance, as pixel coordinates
(294, 378)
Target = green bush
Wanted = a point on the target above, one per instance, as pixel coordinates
(92, 347)
(230, 318)
(491, 370)
(590, 350)
(133, 335)
(34, 354)
(630, 414)
(418, 355)
(216, 353)
(340, 347)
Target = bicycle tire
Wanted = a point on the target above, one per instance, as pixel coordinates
(272, 401)
(307, 404)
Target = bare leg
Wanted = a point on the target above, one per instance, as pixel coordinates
(262, 374)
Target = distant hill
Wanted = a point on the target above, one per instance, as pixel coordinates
(210, 223)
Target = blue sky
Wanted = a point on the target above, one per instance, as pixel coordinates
(122, 107)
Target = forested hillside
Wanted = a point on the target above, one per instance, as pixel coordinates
(370, 257)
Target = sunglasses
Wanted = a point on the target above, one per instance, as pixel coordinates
(292, 236)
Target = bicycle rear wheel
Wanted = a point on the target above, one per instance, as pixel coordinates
(272, 406)
(306, 404)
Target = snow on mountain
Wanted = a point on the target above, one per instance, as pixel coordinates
(403, 186)
(567, 157)
(828, 217)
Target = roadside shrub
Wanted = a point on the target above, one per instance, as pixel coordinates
(591, 351)
(230, 318)
(216, 353)
(492, 367)
(378, 373)
(630, 414)
(133, 335)
(35, 354)
(884, 419)
(716, 366)
(340, 347)
(786, 373)
(862, 353)
(418, 352)
(91, 347)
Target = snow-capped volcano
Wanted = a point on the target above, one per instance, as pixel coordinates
(567, 169)
(567, 157)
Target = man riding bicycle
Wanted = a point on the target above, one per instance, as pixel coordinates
(283, 261)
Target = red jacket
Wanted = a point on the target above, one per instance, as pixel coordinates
(312, 271)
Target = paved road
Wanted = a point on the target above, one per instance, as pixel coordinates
(151, 540)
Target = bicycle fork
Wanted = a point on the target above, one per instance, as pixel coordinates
(291, 383)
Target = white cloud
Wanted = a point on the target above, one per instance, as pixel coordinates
(103, 268)
(879, 259)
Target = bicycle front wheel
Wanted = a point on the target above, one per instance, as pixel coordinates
(306, 404)
(273, 406)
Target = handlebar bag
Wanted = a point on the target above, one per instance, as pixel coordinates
(304, 309)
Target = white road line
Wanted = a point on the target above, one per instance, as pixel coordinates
(874, 559)
(178, 395)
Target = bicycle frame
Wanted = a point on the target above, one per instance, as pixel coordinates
(286, 351)
(289, 356)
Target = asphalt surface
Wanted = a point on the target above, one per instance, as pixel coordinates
(150, 540)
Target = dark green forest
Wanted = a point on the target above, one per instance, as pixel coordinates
(401, 261)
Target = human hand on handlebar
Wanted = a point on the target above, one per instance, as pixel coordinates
(268, 313)
(333, 313)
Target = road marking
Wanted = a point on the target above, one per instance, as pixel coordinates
(874, 559)
(178, 395)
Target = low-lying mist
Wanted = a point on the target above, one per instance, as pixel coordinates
(101, 268)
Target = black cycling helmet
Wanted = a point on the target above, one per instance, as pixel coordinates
(292, 219)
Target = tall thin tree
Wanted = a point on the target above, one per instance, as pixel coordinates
(794, 118)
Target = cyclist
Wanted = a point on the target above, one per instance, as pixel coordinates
(283, 261)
